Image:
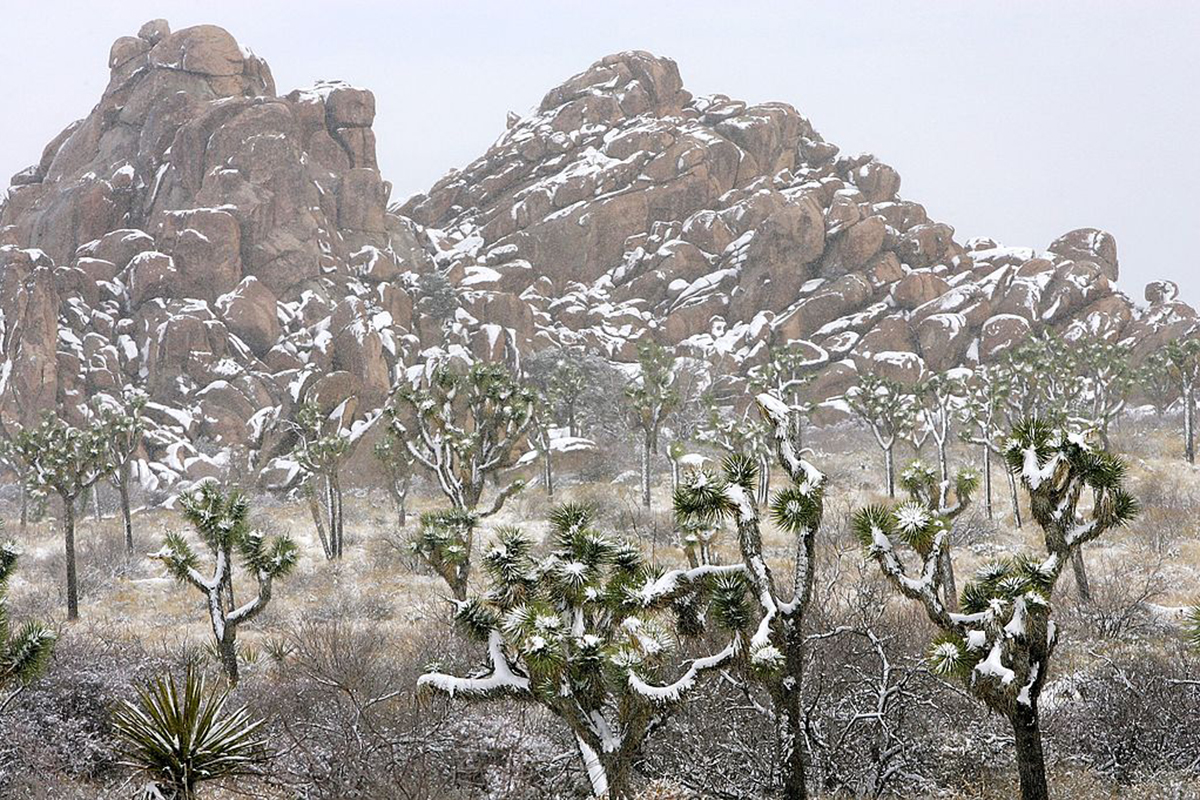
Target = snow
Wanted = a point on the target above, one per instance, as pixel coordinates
(993, 666)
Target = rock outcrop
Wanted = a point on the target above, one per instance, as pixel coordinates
(231, 250)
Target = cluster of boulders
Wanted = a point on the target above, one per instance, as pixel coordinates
(231, 250)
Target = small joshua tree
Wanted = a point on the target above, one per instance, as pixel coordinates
(1157, 383)
(889, 411)
(396, 464)
(444, 541)
(1183, 364)
(222, 522)
(938, 399)
(1001, 644)
(925, 488)
(124, 427)
(465, 426)
(776, 652)
(650, 397)
(588, 632)
(1108, 377)
(322, 449)
(985, 398)
(67, 461)
(24, 651)
(182, 736)
(786, 373)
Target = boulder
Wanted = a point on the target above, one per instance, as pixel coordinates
(249, 311)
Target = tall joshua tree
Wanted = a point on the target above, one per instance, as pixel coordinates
(775, 653)
(985, 398)
(1000, 645)
(322, 449)
(396, 463)
(889, 411)
(222, 522)
(68, 461)
(464, 426)
(588, 632)
(650, 397)
(124, 427)
(24, 651)
(1183, 364)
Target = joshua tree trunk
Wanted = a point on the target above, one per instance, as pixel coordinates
(338, 519)
(69, 551)
(1081, 578)
(228, 650)
(1016, 503)
(126, 516)
(647, 449)
(890, 467)
(1031, 763)
(987, 480)
(790, 739)
(949, 587)
(24, 509)
(1189, 424)
(548, 471)
(96, 515)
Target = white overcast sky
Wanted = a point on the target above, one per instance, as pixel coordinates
(1016, 120)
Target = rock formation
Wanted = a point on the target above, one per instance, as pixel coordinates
(231, 250)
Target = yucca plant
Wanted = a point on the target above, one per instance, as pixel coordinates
(590, 631)
(1000, 644)
(185, 736)
(25, 650)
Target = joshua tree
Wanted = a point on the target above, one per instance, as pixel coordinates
(744, 433)
(540, 430)
(68, 461)
(588, 632)
(650, 397)
(786, 373)
(938, 399)
(444, 541)
(1107, 377)
(934, 494)
(1157, 383)
(322, 449)
(890, 413)
(124, 426)
(182, 736)
(1001, 644)
(775, 653)
(396, 464)
(465, 426)
(984, 402)
(24, 651)
(1183, 364)
(222, 522)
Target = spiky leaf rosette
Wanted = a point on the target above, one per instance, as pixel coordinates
(872, 522)
(949, 656)
(1191, 626)
(567, 519)
(730, 606)
(966, 483)
(24, 652)
(796, 508)
(700, 498)
(273, 557)
(185, 735)
(917, 478)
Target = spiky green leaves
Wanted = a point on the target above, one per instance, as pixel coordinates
(442, 536)
(61, 457)
(797, 509)
(1006, 580)
(184, 735)
(949, 656)
(24, 652)
(178, 555)
(272, 557)
(873, 527)
(221, 519)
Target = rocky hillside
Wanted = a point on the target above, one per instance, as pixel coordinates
(231, 251)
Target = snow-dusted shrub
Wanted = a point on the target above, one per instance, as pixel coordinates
(589, 632)
(1000, 646)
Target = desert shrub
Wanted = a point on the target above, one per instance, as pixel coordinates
(59, 729)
